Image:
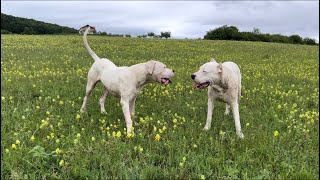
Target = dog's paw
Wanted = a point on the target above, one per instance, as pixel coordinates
(226, 113)
(130, 132)
(103, 112)
(82, 110)
(240, 135)
(206, 128)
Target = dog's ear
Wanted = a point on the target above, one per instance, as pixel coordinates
(220, 68)
(213, 60)
(150, 65)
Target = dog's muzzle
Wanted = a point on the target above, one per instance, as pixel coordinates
(201, 85)
(165, 81)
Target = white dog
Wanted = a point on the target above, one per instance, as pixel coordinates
(224, 84)
(123, 82)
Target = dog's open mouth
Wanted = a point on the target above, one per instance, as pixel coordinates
(201, 85)
(165, 81)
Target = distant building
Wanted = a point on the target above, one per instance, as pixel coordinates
(83, 29)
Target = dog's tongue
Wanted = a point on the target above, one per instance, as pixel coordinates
(165, 81)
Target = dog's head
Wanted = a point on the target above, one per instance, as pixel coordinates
(159, 72)
(208, 74)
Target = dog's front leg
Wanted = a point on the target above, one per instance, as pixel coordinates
(236, 116)
(209, 114)
(126, 112)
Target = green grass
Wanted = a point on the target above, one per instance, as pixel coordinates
(43, 81)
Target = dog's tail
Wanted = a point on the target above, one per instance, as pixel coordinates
(85, 42)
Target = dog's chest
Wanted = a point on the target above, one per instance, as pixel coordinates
(219, 94)
(113, 91)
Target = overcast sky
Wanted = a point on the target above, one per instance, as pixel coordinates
(185, 19)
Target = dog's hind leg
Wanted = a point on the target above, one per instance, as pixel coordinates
(227, 109)
(90, 86)
(102, 100)
(132, 106)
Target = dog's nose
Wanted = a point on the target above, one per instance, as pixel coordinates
(193, 76)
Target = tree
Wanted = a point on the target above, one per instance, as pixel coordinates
(256, 31)
(19, 25)
(295, 39)
(128, 35)
(3, 31)
(223, 33)
(151, 34)
(232, 33)
(309, 41)
(28, 30)
(166, 34)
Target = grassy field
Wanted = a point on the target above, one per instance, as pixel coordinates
(44, 136)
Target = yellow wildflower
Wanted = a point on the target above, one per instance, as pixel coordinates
(202, 177)
(32, 138)
(13, 146)
(140, 149)
(184, 159)
(118, 134)
(58, 151)
(157, 137)
(61, 163)
(129, 135)
(17, 142)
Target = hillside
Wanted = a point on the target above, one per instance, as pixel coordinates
(18, 25)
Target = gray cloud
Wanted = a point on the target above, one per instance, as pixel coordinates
(189, 19)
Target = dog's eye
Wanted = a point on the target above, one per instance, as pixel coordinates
(164, 67)
(204, 71)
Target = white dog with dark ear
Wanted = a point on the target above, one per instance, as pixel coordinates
(224, 84)
(123, 82)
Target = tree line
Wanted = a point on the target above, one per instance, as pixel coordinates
(16, 25)
(232, 33)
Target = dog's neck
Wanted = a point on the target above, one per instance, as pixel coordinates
(222, 83)
(142, 75)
